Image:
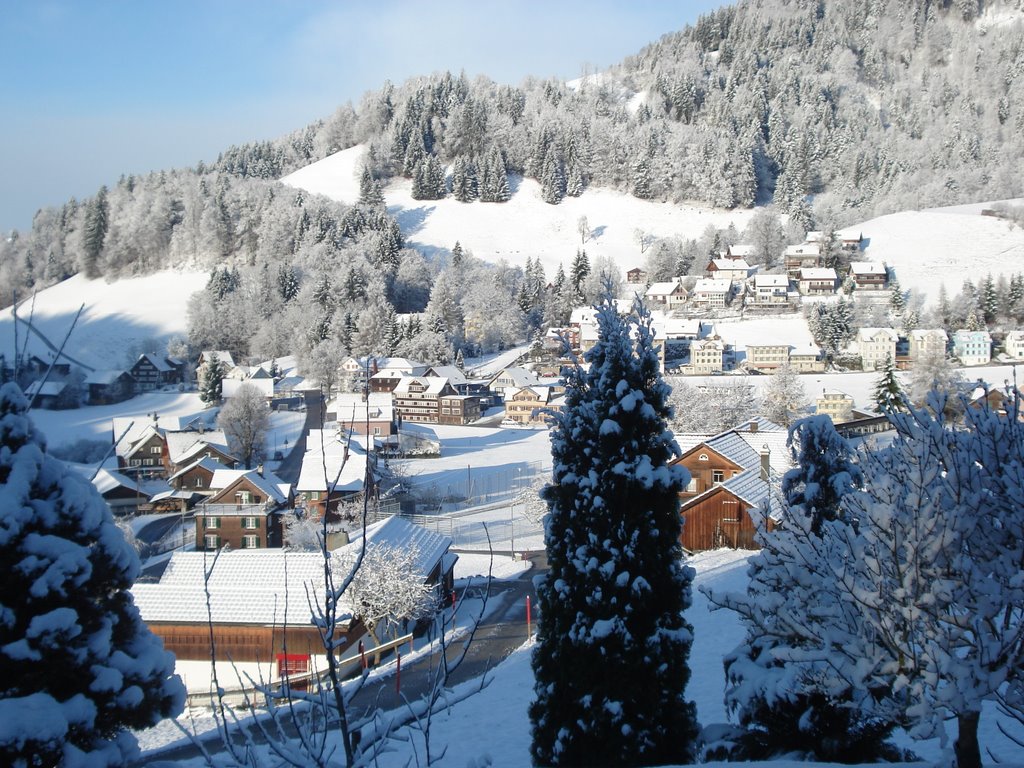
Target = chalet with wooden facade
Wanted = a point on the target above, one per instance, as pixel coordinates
(153, 371)
(733, 478)
(244, 511)
(636, 275)
(106, 387)
(869, 275)
(804, 256)
(335, 466)
(735, 270)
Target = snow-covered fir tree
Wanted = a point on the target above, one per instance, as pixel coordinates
(211, 380)
(787, 700)
(611, 660)
(78, 666)
(888, 395)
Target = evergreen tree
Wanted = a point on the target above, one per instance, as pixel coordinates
(457, 255)
(78, 665)
(897, 299)
(287, 283)
(211, 380)
(578, 274)
(94, 233)
(370, 193)
(988, 300)
(611, 658)
(889, 396)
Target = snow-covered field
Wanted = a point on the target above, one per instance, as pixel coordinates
(118, 319)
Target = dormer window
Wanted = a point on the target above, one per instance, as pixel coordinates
(702, 457)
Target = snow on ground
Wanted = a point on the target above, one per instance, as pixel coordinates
(93, 422)
(540, 230)
(476, 567)
(783, 329)
(118, 318)
(944, 246)
(491, 365)
(479, 462)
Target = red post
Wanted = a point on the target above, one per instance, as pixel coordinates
(528, 632)
(362, 654)
(453, 599)
(398, 674)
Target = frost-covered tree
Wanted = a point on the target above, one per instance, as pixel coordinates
(784, 397)
(786, 698)
(388, 589)
(710, 408)
(611, 660)
(934, 371)
(932, 578)
(78, 666)
(245, 419)
(94, 233)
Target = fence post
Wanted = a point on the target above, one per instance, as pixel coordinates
(398, 673)
(528, 631)
(362, 654)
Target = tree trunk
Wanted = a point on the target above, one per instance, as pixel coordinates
(968, 754)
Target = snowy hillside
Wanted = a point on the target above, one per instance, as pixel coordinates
(944, 246)
(523, 227)
(926, 248)
(119, 318)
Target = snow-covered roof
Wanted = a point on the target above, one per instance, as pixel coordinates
(265, 587)
(161, 364)
(730, 264)
(264, 385)
(742, 251)
(223, 357)
(45, 389)
(433, 385)
(756, 492)
(207, 463)
(517, 375)
(105, 376)
(865, 334)
(743, 446)
(939, 333)
(712, 285)
(450, 372)
(270, 484)
(324, 449)
(867, 268)
(818, 273)
(399, 363)
(187, 445)
(804, 249)
(663, 289)
(771, 281)
(805, 350)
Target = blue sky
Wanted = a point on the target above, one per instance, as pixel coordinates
(91, 90)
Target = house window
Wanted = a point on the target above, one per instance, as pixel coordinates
(731, 511)
(211, 541)
(155, 449)
(376, 430)
(211, 522)
(702, 457)
(314, 495)
(717, 476)
(250, 542)
(250, 523)
(692, 487)
(199, 482)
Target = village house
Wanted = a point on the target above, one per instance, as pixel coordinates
(869, 275)
(432, 400)
(257, 378)
(972, 347)
(391, 371)
(370, 414)
(336, 466)
(636, 275)
(197, 477)
(185, 446)
(671, 295)
(711, 293)
(513, 378)
(254, 605)
(707, 356)
(734, 270)
(528, 406)
(817, 281)
(106, 387)
(145, 452)
(926, 343)
(153, 371)
(51, 395)
(1013, 345)
(767, 357)
(806, 359)
(771, 290)
(804, 256)
(876, 346)
(837, 405)
(734, 476)
(243, 512)
(125, 495)
(740, 251)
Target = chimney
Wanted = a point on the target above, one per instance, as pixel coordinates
(259, 469)
(753, 425)
(336, 539)
(765, 462)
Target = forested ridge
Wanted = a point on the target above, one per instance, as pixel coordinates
(854, 108)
